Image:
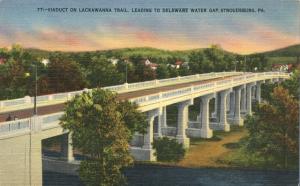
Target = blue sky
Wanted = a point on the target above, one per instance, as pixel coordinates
(278, 26)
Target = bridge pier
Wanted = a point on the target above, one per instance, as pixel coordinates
(243, 100)
(258, 91)
(228, 102)
(237, 120)
(183, 111)
(145, 152)
(162, 121)
(231, 103)
(220, 122)
(216, 107)
(21, 160)
(201, 127)
(205, 131)
(223, 115)
(163, 117)
(67, 147)
(148, 152)
(253, 92)
(249, 98)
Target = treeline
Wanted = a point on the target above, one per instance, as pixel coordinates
(69, 71)
(272, 141)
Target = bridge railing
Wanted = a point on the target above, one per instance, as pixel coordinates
(15, 126)
(33, 123)
(207, 86)
(62, 97)
(52, 120)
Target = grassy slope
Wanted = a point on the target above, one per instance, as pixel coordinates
(293, 50)
(284, 55)
(207, 153)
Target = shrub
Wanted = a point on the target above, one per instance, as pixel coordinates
(168, 150)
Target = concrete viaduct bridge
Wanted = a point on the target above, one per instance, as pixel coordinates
(232, 92)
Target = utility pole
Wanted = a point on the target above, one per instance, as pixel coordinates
(299, 136)
(34, 118)
(126, 71)
(35, 91)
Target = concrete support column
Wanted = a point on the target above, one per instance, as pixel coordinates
(258, 92)
(205, 131)
(232, 103)
(249, 98)
(183, 117)
(67, 147)
(148, 137)
(253, 92)
(215, 113)
(223, 107)
(199, 116)
(159, 123)
(163, 117)
(237, 120)
(228, 102)
(243, 100)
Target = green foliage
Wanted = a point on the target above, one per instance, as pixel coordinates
(64, 75)
(135, 120)
(292, 84)
(283, 60)
(102, 73)
(273, 130)
(168, 150)
(13, 82)
(199, 63)
(293, 50)
(91, 173)
(144, 73)
(99, 131)
(257, 63)
(68, 71)
(266, 90)
(162, 72)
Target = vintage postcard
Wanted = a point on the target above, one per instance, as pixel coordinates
(149, 92)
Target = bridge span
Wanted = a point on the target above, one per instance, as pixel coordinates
(233, 93)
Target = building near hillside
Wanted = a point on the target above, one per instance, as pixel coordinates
(2, 61)
(153, 66)
(113, 61)
(282, 67)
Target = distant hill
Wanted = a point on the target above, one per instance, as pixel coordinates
(147, 52)
(290, 51)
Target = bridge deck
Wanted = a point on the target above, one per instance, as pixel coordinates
(43, 110)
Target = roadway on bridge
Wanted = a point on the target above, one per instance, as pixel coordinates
(43, 110)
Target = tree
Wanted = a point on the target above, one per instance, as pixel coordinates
(256, 62)
(197, 61)
(184, 71)
(168, 150)
(99, 132)
(64, 75)
(144, 72)
(13, 82)
(292, 84)
(162, 71)
(102, 72)
(215, 55)
(134, 119)
(172, 71)
(273, 130)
